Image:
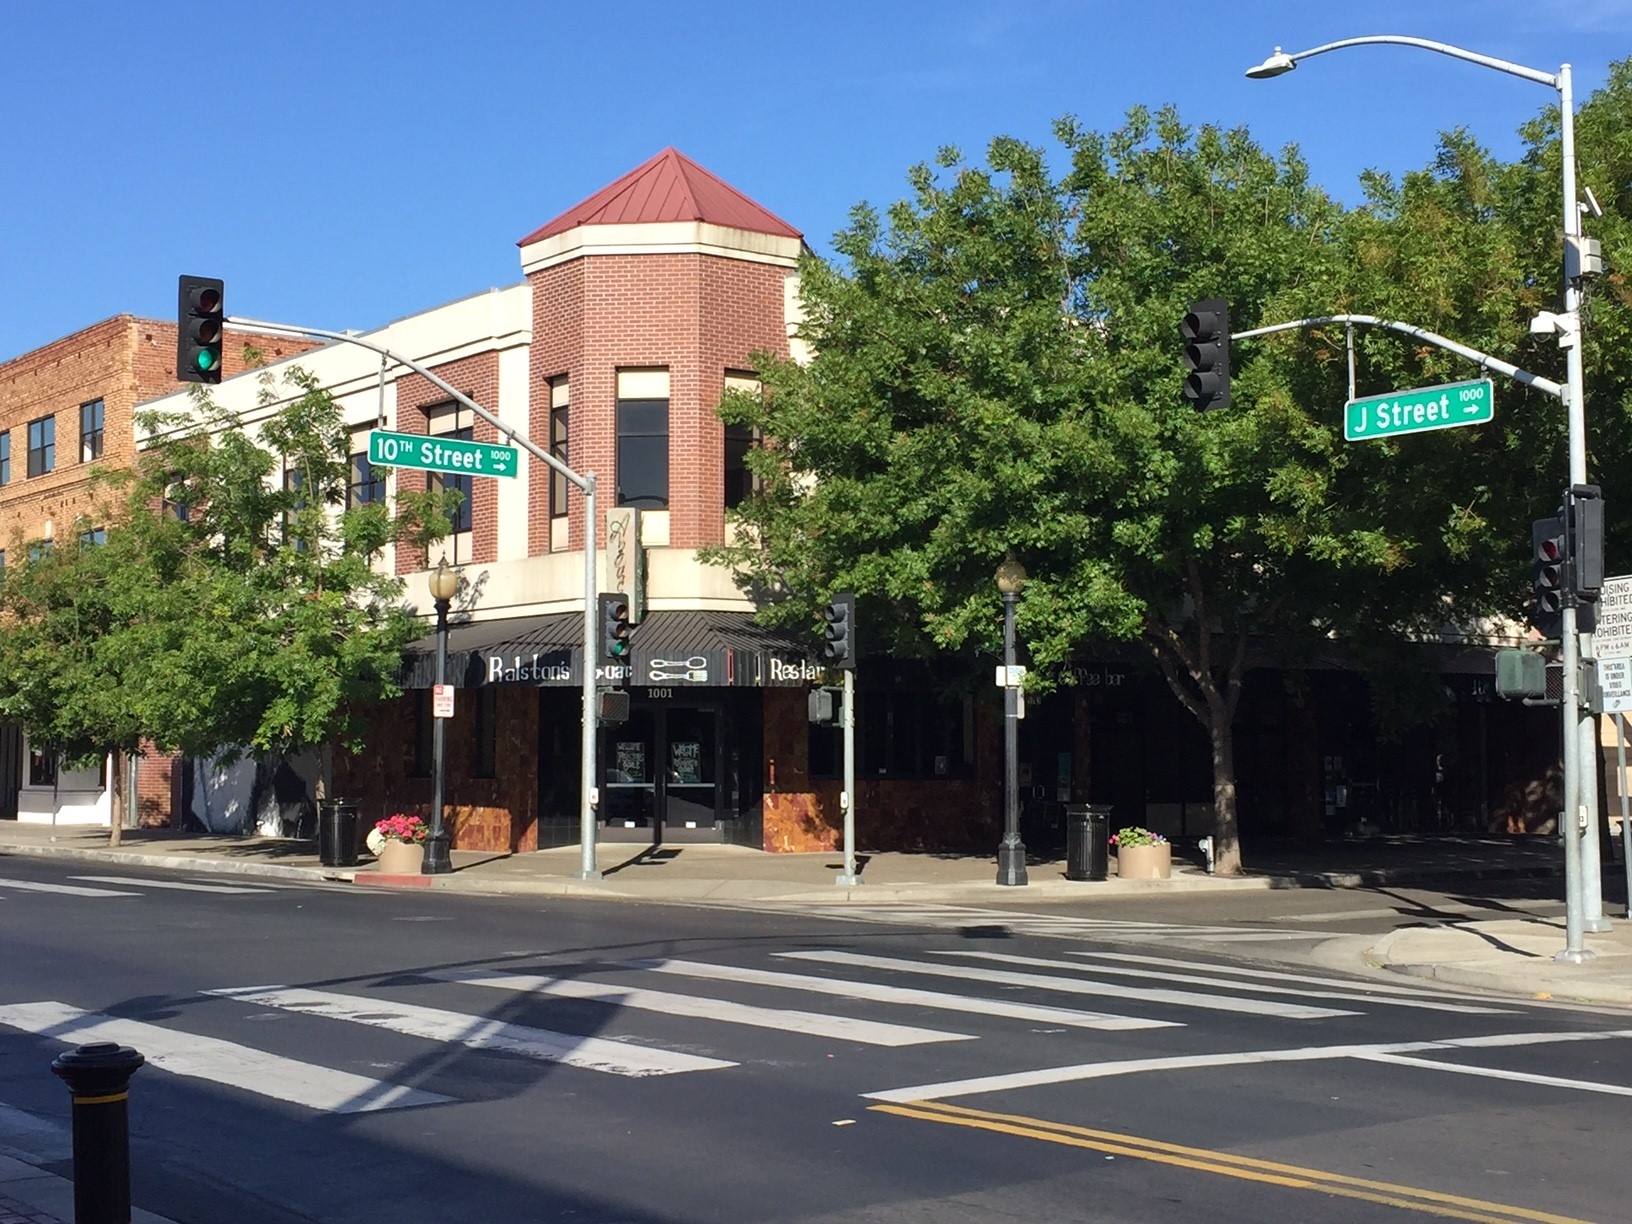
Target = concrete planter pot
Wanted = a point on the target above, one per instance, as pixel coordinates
(400, 858)
(1144, 862)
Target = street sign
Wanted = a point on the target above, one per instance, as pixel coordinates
(442, 700)
(1612, 637)
(1615, 683)
(431, 453)
(1010, 677)
(1420, 410)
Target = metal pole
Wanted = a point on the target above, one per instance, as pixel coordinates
(589, 794)
(1583, 722)
(848, 798)
(1011, 853)
(1626, 817)
(437, 860)
(1569, 819)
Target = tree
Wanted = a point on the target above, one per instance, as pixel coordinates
(996, 369)
(235, 604)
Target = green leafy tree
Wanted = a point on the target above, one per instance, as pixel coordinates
(996, 370)
(235, 606)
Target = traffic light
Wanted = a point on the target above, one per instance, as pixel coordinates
(839, 632)
(823, 706)
(200, 316)
(1547, 559)
(615, 627)
(1206, 332)
(1521, 674)
(1586, 543)
(612, 706)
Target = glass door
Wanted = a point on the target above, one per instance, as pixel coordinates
(629, 786)
(690, 798)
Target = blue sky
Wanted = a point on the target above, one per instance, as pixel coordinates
(344, 164)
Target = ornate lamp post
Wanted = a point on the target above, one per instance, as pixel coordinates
(444, 584)
(1011, 853)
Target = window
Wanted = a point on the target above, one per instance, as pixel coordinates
(452, 421)
(739, 440)
(900, 734)
(5, 457)
(42, 446)
(42, 767)
(90, 431)
(94, 537)
(367, 485)
(294, 480)
(643, 439)
(484, 756)
(558, 446)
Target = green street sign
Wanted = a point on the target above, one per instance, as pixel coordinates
(1405, 412)
(433, 454)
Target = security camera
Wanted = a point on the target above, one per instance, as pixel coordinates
(1544, 324)
(1592, 203)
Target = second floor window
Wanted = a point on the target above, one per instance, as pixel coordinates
(90, 431)
(367, 485)
(42, 446)
(95, 536)
(5, 457)
(739, 440)
(558, 445)
(643, 439)
(458, 423)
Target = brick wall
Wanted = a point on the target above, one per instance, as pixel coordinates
(478, 378)
(695, 315)
(499, 813)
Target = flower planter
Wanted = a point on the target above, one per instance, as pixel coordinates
(1144, 862)
(400, 858)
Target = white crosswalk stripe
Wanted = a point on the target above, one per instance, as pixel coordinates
(221, 1062)
(176, 885)
(67, 890)
(1181, 998)
(480, 1032)
(816, 1024)
(1065, 926)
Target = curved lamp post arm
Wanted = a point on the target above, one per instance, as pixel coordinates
(1282, 62)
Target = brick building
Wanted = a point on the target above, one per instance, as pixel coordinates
(65, 413)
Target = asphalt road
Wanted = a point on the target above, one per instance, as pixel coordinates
(340, 1055)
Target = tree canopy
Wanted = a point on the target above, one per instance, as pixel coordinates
(234, 606)
(997, 370)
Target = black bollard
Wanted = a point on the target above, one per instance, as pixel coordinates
(98, 1075)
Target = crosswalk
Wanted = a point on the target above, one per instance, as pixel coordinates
(107, 887)
(698, 1009)
(1059, 926)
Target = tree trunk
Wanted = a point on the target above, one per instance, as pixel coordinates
(1226, 824)
(116, 796)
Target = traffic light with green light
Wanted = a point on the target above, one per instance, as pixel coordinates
(200, 317)
(615, 627)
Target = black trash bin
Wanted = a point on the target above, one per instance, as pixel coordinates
(1087, 841)
(337, 833)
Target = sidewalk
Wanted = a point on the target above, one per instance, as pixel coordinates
(32, 1196)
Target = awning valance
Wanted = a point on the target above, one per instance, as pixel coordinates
(697, 649)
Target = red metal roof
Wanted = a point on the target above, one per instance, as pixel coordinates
(669, 187)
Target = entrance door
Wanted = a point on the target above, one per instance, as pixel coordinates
(660, 771)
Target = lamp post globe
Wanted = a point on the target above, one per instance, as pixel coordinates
(444, 585)
(1011, 852)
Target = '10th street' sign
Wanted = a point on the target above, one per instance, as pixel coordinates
(437, 454)
(1403, 412)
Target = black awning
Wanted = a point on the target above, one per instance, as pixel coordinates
(691, 649)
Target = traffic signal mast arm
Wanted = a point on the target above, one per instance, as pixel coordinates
(1421, 333)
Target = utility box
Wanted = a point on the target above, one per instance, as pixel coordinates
(1520, 673)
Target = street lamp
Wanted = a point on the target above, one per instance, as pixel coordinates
(1584, 905)
(1011, 853)
(444, 584)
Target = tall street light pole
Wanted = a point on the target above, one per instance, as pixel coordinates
(1584, 903)
(1011, 853)
(444, 584)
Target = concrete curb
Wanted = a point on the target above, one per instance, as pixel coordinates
(183, 862)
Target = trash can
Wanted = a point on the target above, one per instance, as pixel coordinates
(337, 833)
(1087, 841)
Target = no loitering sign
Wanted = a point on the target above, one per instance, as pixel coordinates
(1612, 644)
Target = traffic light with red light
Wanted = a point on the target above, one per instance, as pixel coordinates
(1548, 559)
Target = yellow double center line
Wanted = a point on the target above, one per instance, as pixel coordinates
(1203, 1160)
